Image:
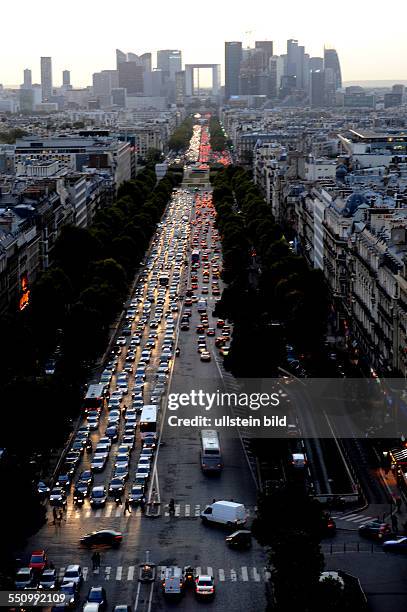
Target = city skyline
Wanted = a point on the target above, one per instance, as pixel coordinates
(370, 53)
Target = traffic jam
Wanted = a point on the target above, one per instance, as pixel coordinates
(107, 471)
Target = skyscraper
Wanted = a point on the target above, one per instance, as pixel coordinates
(317, 90)
(131, 77)
(27, 79)
(233, 59)
(292, 58)
(46, 78)
(170, 62)
(120, 57)
(331, 60)
(66, 78)
(267, 47)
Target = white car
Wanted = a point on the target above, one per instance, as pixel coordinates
(73, 573)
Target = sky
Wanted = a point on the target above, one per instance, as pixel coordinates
(82, 35)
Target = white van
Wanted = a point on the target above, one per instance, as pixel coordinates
(225, 513)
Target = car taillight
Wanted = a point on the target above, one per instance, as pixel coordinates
(118, 537)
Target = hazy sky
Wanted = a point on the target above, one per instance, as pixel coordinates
(82, 35)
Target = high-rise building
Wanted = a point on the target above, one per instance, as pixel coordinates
(119, 97)
(180, 87)
(146, 61)
(170, 62)
(27, 79)
(317, 89)
(120, 57)
(292, 58)
(131, 77)
(233, 60)
(331, 60)
(398, 89)
(316, 63)
(66, 78)
(267, 47)
(46, 78)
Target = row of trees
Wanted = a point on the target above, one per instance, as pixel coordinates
(218, 138)
(73, 305)
(272, 296)
(182, 135)
(10, 136)
(290, 523)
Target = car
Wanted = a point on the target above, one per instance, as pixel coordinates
(136, 494)
(104, 537)
(91, 607)
(82, 488)
(205, 356)
(210, 331)
(121, 471)
(98, 462)
(122, 459)
(123, 450)
(204, 586)
(57, 497)
(38, 560)
(24, 578)
(63, 481)
(73, 574)
(42, 489)
(114, 417)
(122, 608)
(375, 530)
(112, 432)
(106, 440)
(239, 539)
(70, 591)
(48, 579)
(97, 594)
(98, 496)
(397, 545)
(116, 486)
(129, 441)
(120, 341)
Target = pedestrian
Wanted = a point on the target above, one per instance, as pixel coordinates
(61, 516)
(95, 560)
(54, 514)
(398, 504)
(127, 507)
(143, 503)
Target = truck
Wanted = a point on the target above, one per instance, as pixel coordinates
(228, 513)
(202, 305)
(172, 582)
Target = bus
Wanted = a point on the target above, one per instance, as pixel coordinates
(95, 398)
(148, 420)
(211, 455)
(195, 256)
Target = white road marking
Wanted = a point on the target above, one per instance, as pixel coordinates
(197, 570)
(197, 509)
(245, 575)
(221, 573)
(85, 573)
(209, 571)
(119, 571)
(109, 510)
(130, 572)
(256, 575)
(118, 512)
(187, 510)
(98, 512)
(177, 509)
(107, 572)
(233, 575)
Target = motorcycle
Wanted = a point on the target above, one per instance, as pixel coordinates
(189, 575)
(78, 500)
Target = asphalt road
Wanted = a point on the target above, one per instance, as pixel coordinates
(181, 539)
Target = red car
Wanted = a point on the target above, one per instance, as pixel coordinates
(38, 561)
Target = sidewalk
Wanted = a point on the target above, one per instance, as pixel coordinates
(389, 512)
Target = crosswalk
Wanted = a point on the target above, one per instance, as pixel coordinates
(110, 510)
(355, 518)
(130, 573)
